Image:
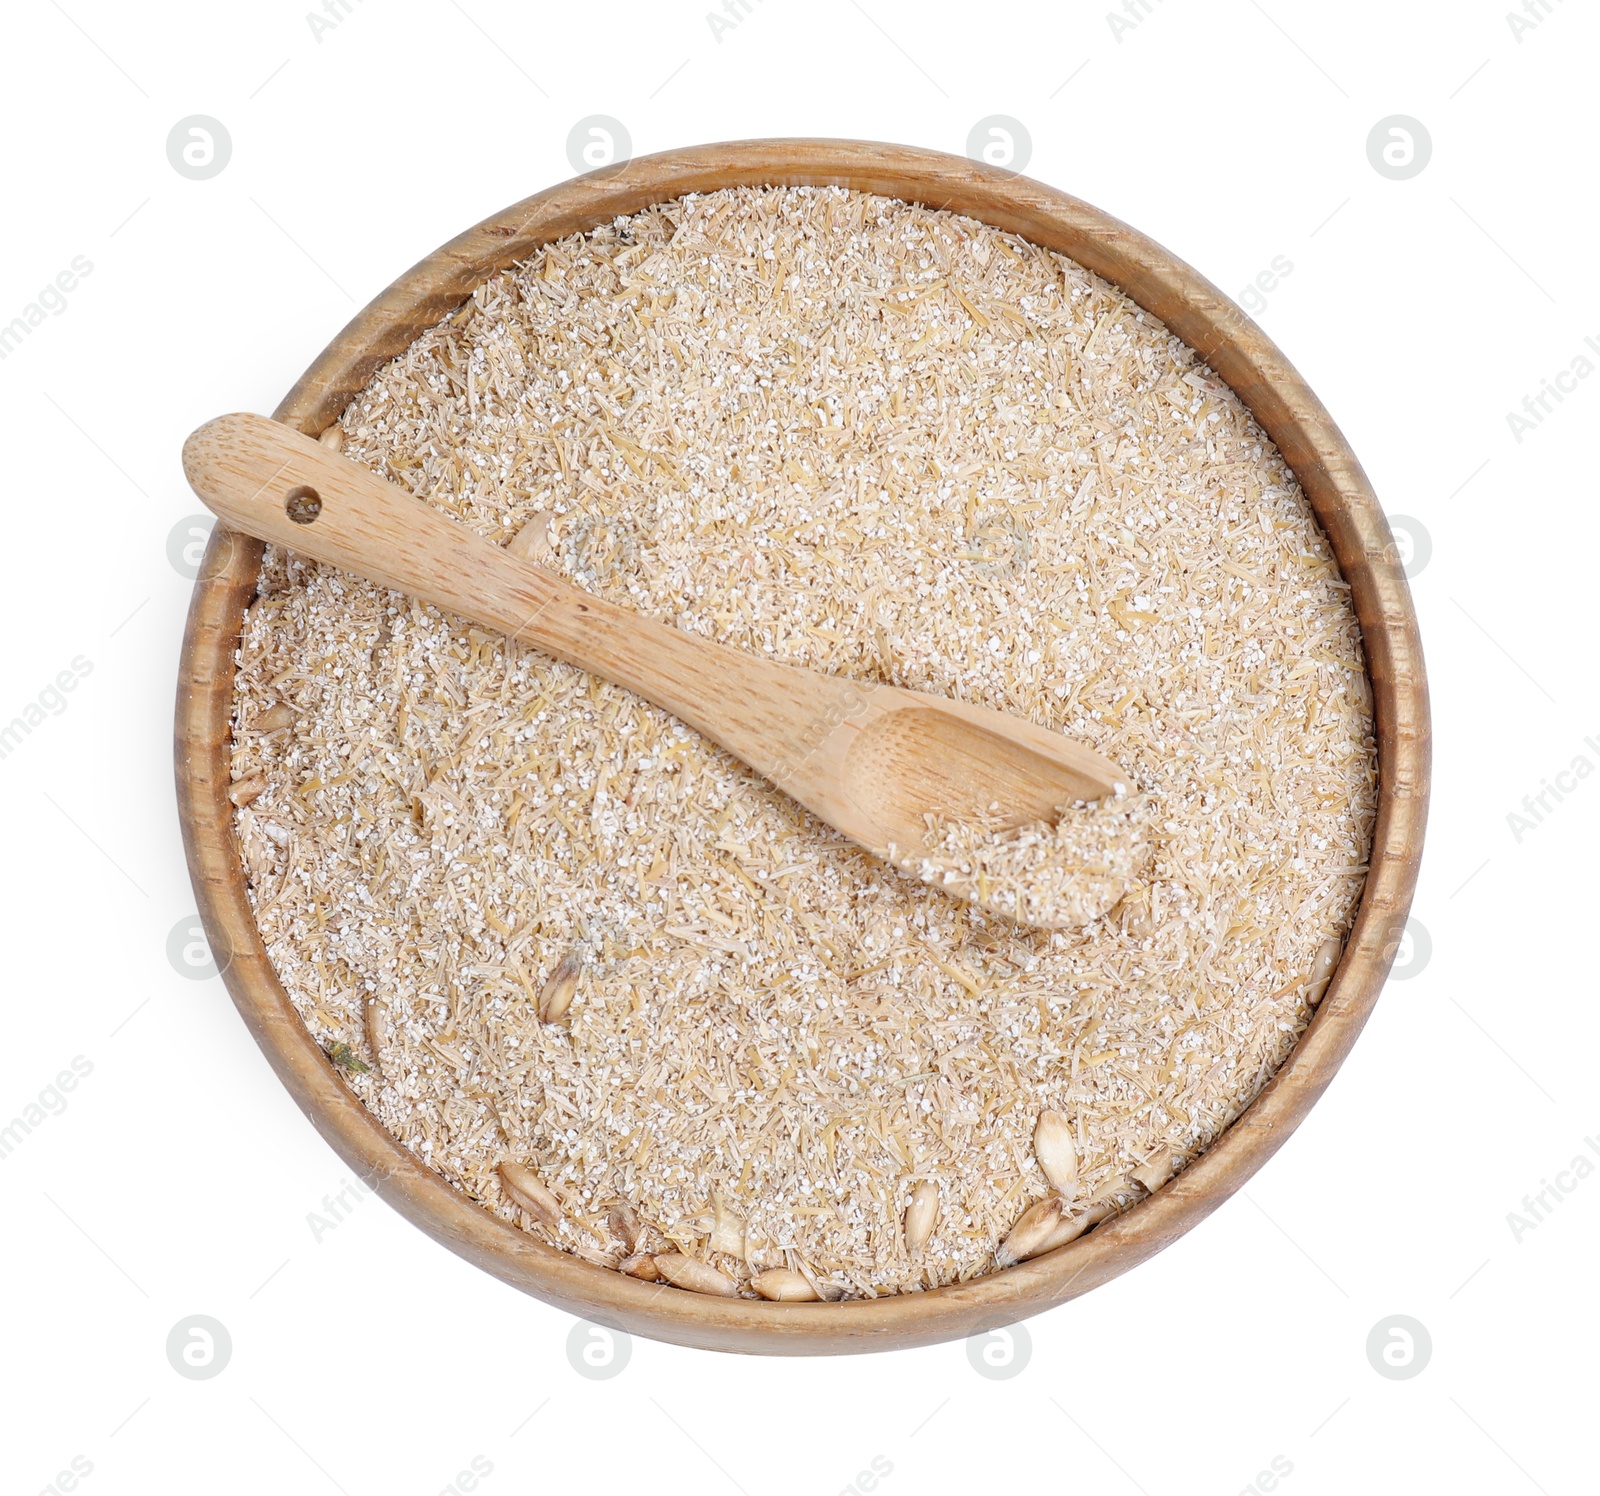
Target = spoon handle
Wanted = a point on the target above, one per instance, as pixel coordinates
(270, 481)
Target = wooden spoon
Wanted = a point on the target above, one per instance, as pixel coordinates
(873, 761)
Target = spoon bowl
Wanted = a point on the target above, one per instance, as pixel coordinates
(922, 756)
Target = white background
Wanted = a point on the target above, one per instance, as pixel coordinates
(179, 1178)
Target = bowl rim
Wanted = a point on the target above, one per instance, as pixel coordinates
(1234, 347)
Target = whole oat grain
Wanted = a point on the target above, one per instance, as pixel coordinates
(874, 439)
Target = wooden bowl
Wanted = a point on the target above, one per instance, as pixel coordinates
(1233, 346)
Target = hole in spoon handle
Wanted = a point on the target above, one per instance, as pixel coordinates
(302, 504)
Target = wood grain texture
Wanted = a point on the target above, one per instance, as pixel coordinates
(1338, 492)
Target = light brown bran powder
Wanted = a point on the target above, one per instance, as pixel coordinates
(877, 440)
